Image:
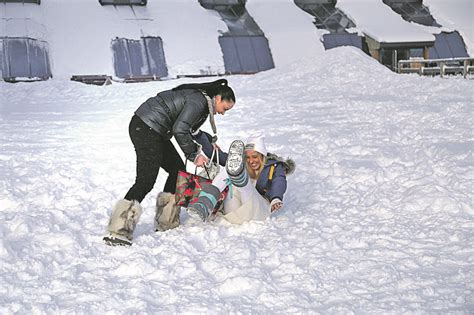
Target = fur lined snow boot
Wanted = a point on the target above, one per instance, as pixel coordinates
(124, 218)
(203, 207)
(235, 165)
(167, 212)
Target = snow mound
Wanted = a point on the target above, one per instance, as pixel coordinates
(377, 218)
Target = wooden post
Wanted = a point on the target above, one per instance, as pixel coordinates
(464, 71)
(426, 53)
(394, 59)
(442, 65)
(375, 53)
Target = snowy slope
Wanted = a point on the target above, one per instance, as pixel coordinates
(378, 217)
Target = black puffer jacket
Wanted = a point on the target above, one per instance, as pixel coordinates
(176, 113)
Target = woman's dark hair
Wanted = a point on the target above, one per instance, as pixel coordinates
(218, 87)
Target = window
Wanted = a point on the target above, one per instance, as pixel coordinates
(122, 2)
(415, 53)
(24, 58)
(144, 57)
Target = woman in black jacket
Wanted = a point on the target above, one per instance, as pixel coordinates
(178, 112)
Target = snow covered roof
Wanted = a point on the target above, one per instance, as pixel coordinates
(455, 16)
(189, 32)
(377, 20)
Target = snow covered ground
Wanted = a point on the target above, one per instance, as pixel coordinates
(378, 218)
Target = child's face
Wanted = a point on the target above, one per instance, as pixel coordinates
(254, 159)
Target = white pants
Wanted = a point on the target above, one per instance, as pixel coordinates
(242, 203)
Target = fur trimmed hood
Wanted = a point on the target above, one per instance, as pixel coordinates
(288, 164)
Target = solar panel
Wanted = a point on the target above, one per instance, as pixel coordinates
(121, 59)
(156, 56)
(17, 58)
(123, 2)
(412, 11)
(2, 59)
(244, 47)
(248, 62)
(230, 53)
(21, 1)
(448, 45)
(212, 4)
(326, 15)
(246, 54)
(262, 52)
(329, 41)
(144, 57)
(456, 45)
(39, 64)
(345, 39)
(137, 64)
(24, 58)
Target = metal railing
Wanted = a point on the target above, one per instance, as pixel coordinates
(442, 67)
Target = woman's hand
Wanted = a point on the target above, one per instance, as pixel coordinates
(201, 160)
(276, 204)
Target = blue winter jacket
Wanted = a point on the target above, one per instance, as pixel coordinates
(276, 187)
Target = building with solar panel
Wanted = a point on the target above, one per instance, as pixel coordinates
(387, 46)
(99, 41)
(334, 21)
(244, 46)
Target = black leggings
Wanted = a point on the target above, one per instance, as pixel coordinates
(152, 153)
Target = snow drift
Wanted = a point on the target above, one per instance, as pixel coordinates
(378, 217)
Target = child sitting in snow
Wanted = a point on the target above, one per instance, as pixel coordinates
(256, 180)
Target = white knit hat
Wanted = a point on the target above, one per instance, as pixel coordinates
(256, 143)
